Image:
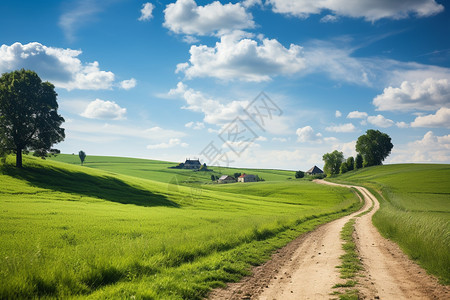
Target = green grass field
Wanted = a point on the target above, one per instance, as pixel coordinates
(119, 228)
(415, 210)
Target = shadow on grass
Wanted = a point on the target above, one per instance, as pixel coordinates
(102, 187)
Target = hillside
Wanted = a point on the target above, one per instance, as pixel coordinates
(415, 210)
(70, 230)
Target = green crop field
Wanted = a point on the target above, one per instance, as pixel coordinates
(120, 228)
(415, 210)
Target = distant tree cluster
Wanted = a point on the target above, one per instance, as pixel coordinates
(372, 147)
(299, 174)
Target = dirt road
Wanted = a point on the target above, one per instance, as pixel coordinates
(306, 267)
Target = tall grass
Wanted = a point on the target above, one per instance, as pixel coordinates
(414, 212)
(68, 230)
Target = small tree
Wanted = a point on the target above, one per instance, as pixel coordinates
(236, 175)
(358, 161)
(333, 162)
(343, 168)
(213, 177)
(299, 174)
(29, 117)
(82, 156)
(350, 163)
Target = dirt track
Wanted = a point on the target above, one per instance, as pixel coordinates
(306, 267)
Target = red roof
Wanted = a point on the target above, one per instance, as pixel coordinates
(242, 176)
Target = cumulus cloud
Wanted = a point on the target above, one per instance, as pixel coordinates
(368, 9)
(429, 94)
(195, 125)
(186, 17)
(172, 143)
(128, 84)
(357, 115)
(214, 111)
(430, 148)
(440, 119)
(146, 12)
(57, 65)
(338, 114)
(250, 3)
(307, 134)
(237, 56)
(348, 127)
(380, 121)
(106, 110)
(402, 125)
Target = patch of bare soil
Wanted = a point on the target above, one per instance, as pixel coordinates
(306, 267)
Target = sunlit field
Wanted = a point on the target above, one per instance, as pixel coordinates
(126, 231)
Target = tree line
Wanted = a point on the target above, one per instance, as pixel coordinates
(372, 148)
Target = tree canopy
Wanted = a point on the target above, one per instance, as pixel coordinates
(333, 162)
(374, 147)
(28, 114)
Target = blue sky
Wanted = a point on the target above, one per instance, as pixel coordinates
(183, 79)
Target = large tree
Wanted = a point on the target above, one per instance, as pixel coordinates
(333, 162)
(29, 118)
(374, 147)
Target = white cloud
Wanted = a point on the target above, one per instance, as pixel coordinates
(76, 16)
(349, 149)
(368, 9)
(128, 84)
(357, 115)
(402, 125)
(237, 56)
(196, 125)
(172, 143)
(189, 39)
(329, 19)
(155, 133)
(380, 121)
(429, 94)
(261, 139)
(146, 12)
(57, 65)
(430, 148)
(107, 110)
(184, 16)
(215, 112)
(338, 114)
(307, 134)
(440, 119)
(250, 3)
(348, 127)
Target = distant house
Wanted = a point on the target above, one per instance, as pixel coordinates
(192, 164)
(313, 171)
(226, 179)
(247, 178)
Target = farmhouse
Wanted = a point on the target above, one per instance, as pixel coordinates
(226, 179)
(192, 164)
(313, 171)
(247, 178)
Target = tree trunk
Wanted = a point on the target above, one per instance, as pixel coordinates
(19, 158)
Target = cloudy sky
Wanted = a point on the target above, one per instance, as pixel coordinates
(254, 83)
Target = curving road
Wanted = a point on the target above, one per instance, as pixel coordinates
(306, 268)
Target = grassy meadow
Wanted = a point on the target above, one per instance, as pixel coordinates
(415, 210)
(120, 228)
